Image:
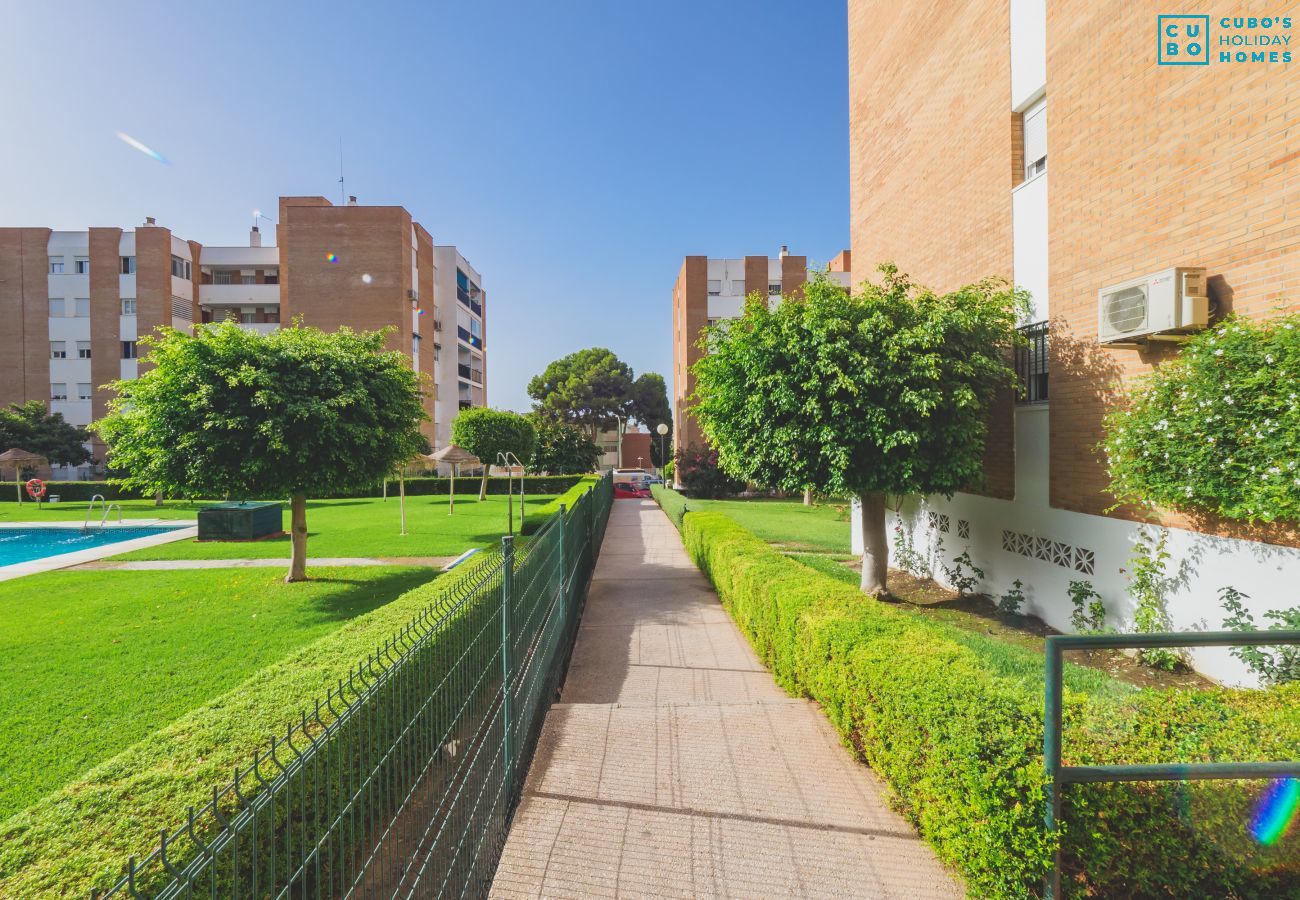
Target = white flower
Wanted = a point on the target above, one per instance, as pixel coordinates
(1218, 352)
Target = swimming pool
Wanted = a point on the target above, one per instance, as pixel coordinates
(26, 544)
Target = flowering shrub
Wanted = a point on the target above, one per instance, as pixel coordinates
(1216, 430)
(701, 476)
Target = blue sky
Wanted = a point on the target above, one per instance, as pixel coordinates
(574, 151)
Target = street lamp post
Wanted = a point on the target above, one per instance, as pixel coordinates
(662, 429)
(618, 454)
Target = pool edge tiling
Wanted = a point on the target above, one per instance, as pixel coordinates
(77, 557)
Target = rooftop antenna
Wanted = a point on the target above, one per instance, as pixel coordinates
(342, 194)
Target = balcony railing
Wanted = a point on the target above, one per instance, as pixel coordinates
(463, 370)
(1031, 364)
(472, 339)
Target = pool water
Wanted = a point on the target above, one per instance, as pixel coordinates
(25, 544)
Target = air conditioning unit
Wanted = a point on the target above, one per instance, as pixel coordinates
(1171, 302)
(412, 295)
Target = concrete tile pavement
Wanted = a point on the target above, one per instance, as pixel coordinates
(675, 767)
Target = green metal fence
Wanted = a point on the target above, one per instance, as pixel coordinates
(1060, 775)
(402, 779)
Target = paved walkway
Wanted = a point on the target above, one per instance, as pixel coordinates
(152, 564)
(675, 767)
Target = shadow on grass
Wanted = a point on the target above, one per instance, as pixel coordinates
(364, 594)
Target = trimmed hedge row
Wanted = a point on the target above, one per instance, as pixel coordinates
(672, 503)
(76, 491)
(960, 741)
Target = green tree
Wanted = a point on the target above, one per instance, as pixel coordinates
(588, 388)
(30, 427)
(563, 449)
(486, 432)
(232, 413)
(650, 407)
(885, 391)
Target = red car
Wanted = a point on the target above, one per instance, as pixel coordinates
(631, 490)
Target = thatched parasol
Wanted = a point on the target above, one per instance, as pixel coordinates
(20, 459)
(456, 457)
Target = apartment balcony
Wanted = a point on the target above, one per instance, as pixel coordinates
(259, 327)
(469, 301)
(239, 294)
(470, 373)
(472, 339)
(1031, 364)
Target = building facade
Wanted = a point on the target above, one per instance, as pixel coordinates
(1069, 177)
(708, 290)
(462, 310)
(79, 300)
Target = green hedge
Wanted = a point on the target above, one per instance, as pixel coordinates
(74, 491)
(582, 484)
(954, 723)
(672, 503)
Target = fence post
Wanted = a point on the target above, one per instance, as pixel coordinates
(507, 664)
(1052, 761)
(564, 565)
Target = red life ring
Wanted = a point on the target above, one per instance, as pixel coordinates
(35, 488)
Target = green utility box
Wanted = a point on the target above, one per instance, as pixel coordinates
(240, 521)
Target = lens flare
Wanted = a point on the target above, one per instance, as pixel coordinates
(331, 257)
(366, 279)
(152, 154)
(1276, 811)
(420, 311)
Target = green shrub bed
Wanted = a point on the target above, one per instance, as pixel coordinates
(78, 491)
(956, 728)
(672, 503)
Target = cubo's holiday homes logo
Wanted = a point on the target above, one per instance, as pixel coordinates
(1186, 40)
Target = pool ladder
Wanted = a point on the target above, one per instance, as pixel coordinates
(108, 510)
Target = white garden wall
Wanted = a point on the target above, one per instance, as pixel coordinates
(1047, 548)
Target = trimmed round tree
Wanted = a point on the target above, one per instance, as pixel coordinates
(486, 432)
(885, 391)
(588, 388)
(563, 449)
(295, 413)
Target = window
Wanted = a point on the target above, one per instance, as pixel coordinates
(59, 391)
(221, 278)
(273, 315)
(81, 307)
(58, 308)
(56, 265)
(475, 328)
(774, 289)
(738, 287)
(83, 391)
(58, 349)
(181, 268)
(272, 278)
(247, 318)
(128, 350)
(248, 279)
(81, 265)
(1034, 132)
(83, 349)
(715, 287)
(128, 306)
(128, 265)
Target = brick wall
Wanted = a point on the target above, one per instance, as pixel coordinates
(1150, 167)
(690, 314)
(24, 308)
(930, 138)
(106, 310)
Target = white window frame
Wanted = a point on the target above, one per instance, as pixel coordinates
(130, 350)
(83, 349)
(1038, 165)
(61, 305)
(715, 287)
(127, 266)
(58, 349)
(774, 289)
(81, 265)
(56, 265)
(78, 304)
(84, 391)
(59, 390)
(128, 306)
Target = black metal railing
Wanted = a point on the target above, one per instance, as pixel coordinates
(472, 339)
(403, 779)
(462, 370)
(1032, 363)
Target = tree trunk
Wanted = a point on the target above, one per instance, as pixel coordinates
(298, 539)
(157, 498)
(482, 486)
(807, 497)
(875, 547)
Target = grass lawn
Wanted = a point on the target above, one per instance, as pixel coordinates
(93, 661)
(359, 527)
(788, 523)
